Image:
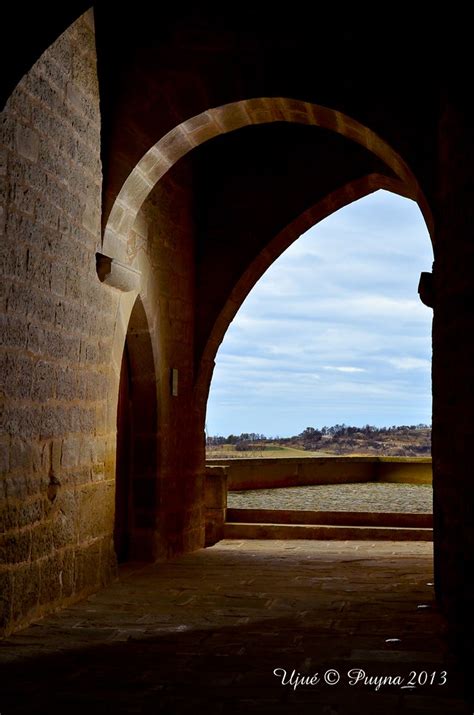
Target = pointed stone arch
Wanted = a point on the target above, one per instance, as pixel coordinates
(346, 194)
(136, 496)
(220, 120)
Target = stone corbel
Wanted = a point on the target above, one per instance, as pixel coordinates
(116, 274)
(426, 289)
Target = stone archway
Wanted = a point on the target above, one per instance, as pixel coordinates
(221, 120)
(121, 264)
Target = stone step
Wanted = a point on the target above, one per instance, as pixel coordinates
(335, 518)
(242, 530)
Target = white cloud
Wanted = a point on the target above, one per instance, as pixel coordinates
(410, 363)
(344, 369)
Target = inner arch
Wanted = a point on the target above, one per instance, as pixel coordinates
(395, 367)
(332, 202)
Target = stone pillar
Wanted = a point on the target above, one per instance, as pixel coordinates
(216, 503)
(453, 368)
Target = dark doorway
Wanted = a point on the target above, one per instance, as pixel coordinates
(124, 462)
(136, 492)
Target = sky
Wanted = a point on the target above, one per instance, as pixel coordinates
(334, 332)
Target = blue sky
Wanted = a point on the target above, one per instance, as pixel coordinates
(334, 331)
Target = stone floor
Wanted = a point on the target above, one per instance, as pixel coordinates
(207, 631)
(339, 497)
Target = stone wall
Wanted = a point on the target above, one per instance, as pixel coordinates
(63, 335)
(261, 473)
(56, 488)
(165, 229)
(216, 503)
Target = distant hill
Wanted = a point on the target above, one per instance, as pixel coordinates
(404, 441)
(396, 441)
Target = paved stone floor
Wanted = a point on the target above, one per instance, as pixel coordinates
(339, 497)
(206, 631)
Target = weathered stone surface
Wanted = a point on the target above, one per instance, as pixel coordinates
(67, 573)
(215, 500)
(21, 455)
(15, 547)
(216, 487)
(26, 590)
(87, 568)
(6, 598)
(27, 142)
(51, 173)
(50, 579)
(4, 455)
(41, 540)
(95, 505)
(65, 519)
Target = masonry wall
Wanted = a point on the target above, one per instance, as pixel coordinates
(57, 457)
(268, 473)
(167, 227)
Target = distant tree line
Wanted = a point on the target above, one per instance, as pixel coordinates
(347, 430)
(313, 434)
(235, 439)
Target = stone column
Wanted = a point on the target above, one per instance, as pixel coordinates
(216, 503)
(453, 367)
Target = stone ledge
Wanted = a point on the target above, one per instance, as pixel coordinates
(267, 473)
(330, 518)
(240, 530)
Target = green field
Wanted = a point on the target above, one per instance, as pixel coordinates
(228, 451)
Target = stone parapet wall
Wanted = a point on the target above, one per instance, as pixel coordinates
(305, 471)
